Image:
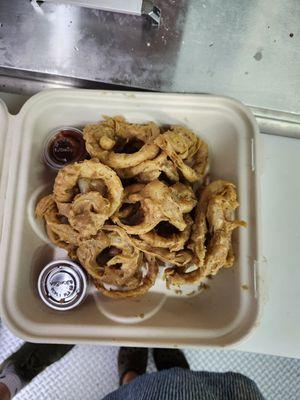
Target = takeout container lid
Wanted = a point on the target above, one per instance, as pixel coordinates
(222, 315)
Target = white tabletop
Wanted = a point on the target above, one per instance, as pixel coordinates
(279, 329)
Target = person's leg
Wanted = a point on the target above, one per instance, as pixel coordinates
(184, 384)
(4, 392)
(132, 362)
(175, 380)
(169, 358)
(31, 359)
(128, 377)
(10, 382)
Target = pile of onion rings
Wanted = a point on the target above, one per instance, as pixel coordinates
(136, 206)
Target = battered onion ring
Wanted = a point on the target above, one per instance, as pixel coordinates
(120, 259)
(61, 234)
(187, 151)
(102, 141)
(140, 290)
(211, 234)
(179, 258)
(171, 241)
(87, 212)
(158, 202)
(125, 256)
(149, 170)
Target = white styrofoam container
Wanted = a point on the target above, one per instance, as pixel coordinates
(219, 316)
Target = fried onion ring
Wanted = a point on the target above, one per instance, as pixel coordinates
(101, 197)
(110, 257)
(157, 202)
(120, 144)
(122, 235)
(88, 213)
(187, 151)
(178, 258)
(58, 230)
(164, 235)
(143, 286)
(150, 170)
(211, 234)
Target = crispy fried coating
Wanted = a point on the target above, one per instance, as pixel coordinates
(143, 286)
(211, 234)
(153, 203)
(150, 170)
(120, 144)
(164, 235)
(188, 152)
(110, 257)
(57, 227)
(87, 193)
(121, 235)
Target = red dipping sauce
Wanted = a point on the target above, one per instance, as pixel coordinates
(64, 146)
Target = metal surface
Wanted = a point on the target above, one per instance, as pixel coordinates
(133, 7)
(153, 12)
(277, 123)
(271, 122)
(248, 50)
(85, 44)
(29, 83)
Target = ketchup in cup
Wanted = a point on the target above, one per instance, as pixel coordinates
(64, 146)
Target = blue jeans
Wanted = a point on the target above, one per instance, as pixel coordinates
(181, 384)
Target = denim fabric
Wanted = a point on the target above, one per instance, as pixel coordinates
(181, 384)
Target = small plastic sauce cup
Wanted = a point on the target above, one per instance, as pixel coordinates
(64, 146)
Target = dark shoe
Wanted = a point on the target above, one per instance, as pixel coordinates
(169, 358)
(132, 359)
(31, 359)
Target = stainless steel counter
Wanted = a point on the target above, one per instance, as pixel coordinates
(246, 49)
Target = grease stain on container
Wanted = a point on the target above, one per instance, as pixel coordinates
(130, 95)
(258, 55)
(204, 286)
